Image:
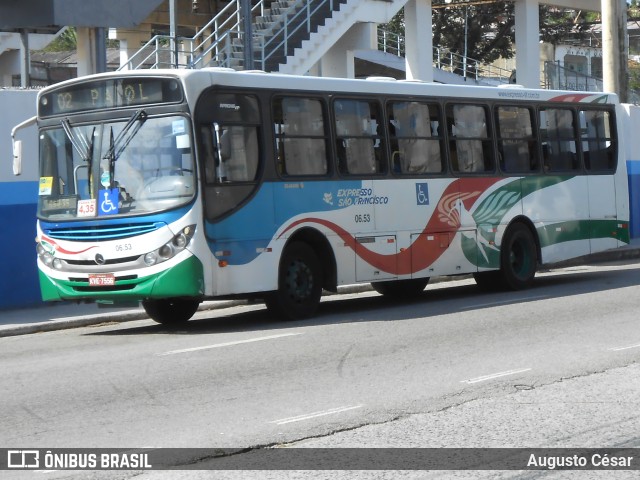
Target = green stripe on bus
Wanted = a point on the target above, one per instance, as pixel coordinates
(185, 279)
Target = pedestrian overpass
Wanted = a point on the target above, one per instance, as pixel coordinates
(317, 37)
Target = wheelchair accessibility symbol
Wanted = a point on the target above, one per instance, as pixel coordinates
(422, 193)
(108, 201)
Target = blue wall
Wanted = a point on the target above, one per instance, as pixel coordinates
(19, 286)
(633, 169)
(18, 271)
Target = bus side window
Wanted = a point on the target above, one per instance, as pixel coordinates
(415, 138)
(359, 142)
(470, 144)
(516, 142)
(210, 161)
(558, 139)
(231, 153)
(598, 143)
(239, 153)
(301, 141)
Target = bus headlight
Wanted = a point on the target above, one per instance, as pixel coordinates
(44, 254)
(150, 258)
(47, 259)
(170, 249)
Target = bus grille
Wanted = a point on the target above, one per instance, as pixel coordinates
(102, 232)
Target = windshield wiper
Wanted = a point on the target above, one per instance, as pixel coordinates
(117, 146)
(83, 146)
(125, 136)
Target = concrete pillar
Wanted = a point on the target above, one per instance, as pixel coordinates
(25, 59)
(339, 61)
(418, 40)
(92, 50)
(615, 47)
(527, 28)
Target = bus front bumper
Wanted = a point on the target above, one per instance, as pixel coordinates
(185, 279)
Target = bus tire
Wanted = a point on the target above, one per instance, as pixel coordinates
(489, 281)
(518, 257)
(170, 311)
(299, 284)
(401, 288)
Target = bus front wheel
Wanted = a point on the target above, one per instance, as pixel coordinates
(299, 284)
(170, 311)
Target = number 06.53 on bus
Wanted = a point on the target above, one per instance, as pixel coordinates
(172, 187)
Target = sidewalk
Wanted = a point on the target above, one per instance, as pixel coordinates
(62, 315)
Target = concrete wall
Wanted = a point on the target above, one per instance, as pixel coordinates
(18, 196)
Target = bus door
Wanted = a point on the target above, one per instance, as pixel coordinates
(599, 150)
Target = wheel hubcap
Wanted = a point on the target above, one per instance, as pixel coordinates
(299, 281)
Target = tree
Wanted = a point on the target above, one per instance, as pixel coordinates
(489, 28)
(67, 40)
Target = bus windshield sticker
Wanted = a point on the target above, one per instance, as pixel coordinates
(108, 201)
(178, 127)
(87, 208)
(46, 183)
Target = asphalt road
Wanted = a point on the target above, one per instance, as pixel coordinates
(445, 370)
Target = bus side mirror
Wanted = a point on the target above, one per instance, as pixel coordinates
(17, 157)
(17, 144)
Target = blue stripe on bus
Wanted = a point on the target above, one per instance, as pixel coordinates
(272, 207)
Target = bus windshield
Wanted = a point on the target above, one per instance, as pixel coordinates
(130, 167)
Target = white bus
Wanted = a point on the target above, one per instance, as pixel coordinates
(173, 187)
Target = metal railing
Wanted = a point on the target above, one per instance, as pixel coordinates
(445, 59)
(221, 41)
(212, 44)
(557, 77)
(298, 24)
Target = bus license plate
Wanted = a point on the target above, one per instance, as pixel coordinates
(101, 279)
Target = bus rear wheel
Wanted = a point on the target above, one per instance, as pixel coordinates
(401, 288)
(299, 284)
(518, 258)
(170, 311)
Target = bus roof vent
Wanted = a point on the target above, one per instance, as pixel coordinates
(381, 79)
(510, 85)
(412, 80)
(252, 71)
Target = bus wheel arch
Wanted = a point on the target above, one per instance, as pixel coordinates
(520, 255)
(300, 282)
(322, 248)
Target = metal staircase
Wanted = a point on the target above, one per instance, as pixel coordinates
(279, 27)
(290, 36)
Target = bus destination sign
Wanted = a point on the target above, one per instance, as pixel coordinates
(110, 93)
